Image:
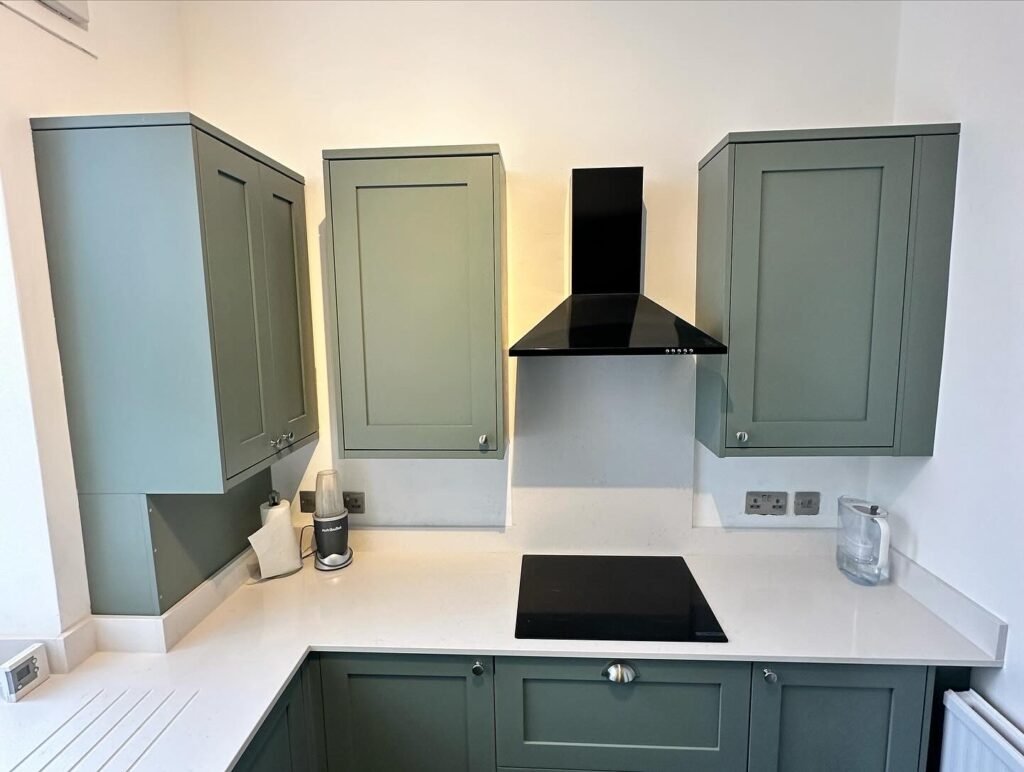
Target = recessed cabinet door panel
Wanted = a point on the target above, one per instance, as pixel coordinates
(819, 263)
(857, 718)
(291, 324)
(416, 714)
(233, 233)
(564, 714)
(414, 251)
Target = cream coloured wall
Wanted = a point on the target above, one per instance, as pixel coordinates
(959, 513)
(603, 452)
(138, 67)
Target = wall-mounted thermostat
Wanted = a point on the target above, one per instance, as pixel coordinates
(24, 672)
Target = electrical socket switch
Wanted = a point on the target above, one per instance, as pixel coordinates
(766, 502)
(806, 503)
(355, 502)
(307, 501)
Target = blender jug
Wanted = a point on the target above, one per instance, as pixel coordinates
(862, 541)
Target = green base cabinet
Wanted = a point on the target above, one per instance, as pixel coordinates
(283, 741)
(386, 713)
(424, 713)
(416, 297)
(565, 714)
(179, 275)
(823, 262)
(855, 718)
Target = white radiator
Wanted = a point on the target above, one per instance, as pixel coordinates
(977, 738)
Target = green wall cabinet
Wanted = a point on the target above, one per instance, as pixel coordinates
(415, 281)
(823, 261)
(857, 718)
(564, 713)
(179, 276)
(385, 713)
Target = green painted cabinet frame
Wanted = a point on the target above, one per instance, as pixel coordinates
(415, 292)
(179, 275)
(291, 737)
(421, 713)
(858, 718)
(384, 713)
(823, 263)
(564, 714)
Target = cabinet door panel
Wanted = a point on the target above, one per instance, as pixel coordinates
(414, 251)
(416, 714)
(282, 742)
(857, 718)
(236, 268)
(291, 324)
(819, 263)
(564, 714)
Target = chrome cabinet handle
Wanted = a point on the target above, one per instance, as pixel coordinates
(619, 673)
(478, 668)
(742, 436)
(483, 440)
(770, 676)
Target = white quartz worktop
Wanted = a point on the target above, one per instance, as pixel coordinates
(197, 707)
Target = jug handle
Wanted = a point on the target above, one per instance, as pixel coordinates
(883, 546)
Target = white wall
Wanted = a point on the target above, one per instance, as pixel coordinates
(959, 513)
(599, 455)
(42, 566)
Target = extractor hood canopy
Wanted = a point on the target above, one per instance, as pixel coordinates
(606, 312)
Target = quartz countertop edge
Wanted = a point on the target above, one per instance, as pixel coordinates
(228, 672)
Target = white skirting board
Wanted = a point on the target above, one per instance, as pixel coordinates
(158, 635)
(977, 738)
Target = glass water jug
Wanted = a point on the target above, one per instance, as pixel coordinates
(862, 541)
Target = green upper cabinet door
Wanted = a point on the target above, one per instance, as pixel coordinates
(237, 269)
(179, 275)
(814, 266)
(291, 321)
(855, 718)
(819, 256)
(417, 271)
(384, 713)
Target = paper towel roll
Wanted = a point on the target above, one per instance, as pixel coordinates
(275, 544)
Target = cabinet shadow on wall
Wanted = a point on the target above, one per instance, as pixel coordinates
(615, 422)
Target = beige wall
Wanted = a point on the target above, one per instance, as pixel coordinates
(138, 67)
(959, 512)
(604, 451)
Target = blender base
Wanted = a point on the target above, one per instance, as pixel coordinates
(332, 562)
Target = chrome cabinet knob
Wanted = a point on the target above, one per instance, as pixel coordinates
(483, 440)
(478, 668)
(770, 676)
(742, 436)
(619, 673)
(290, 436)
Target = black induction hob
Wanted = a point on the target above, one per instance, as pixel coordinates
(612, 598)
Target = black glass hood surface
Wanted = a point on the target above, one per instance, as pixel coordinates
(607, 312)
(612, 598)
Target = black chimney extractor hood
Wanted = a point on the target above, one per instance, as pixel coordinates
(607, 312)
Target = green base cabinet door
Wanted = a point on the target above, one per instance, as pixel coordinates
(416, 271)
(822, 264)
(386, 713)
(854, 718)
(282, 743)
(566, 714)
